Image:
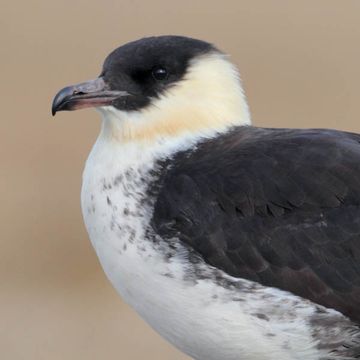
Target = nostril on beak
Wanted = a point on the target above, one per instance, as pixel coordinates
(76, 92)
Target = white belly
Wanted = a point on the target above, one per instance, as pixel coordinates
(205, 320)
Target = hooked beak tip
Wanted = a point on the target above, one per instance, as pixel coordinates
(93, 93)
(62, 98)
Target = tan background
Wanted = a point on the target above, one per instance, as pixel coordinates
(300, 64)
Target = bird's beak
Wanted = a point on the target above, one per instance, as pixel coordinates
(91, 93)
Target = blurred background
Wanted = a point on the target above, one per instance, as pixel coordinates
(299, 61)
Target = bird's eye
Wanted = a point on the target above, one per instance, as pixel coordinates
(159, 73)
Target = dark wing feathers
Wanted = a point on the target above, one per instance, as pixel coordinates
(276, 206)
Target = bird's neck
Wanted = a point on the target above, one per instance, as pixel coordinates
(209, 100)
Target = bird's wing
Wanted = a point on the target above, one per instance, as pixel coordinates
(280, 207)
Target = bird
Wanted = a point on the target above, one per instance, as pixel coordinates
(232, 241)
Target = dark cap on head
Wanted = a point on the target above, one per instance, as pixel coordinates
(135, 73)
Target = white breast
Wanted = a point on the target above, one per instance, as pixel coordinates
(205, 320)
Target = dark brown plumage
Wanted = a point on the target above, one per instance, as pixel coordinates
(277, 206)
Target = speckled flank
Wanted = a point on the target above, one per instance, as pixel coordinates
(247, 318)
(335, 333)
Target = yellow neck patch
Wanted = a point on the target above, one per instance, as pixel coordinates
(209, 98)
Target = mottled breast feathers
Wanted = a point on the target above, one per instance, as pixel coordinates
(279, 207)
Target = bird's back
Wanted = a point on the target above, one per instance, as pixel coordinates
(280, 207)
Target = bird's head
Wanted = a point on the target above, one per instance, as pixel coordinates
(160, 87)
